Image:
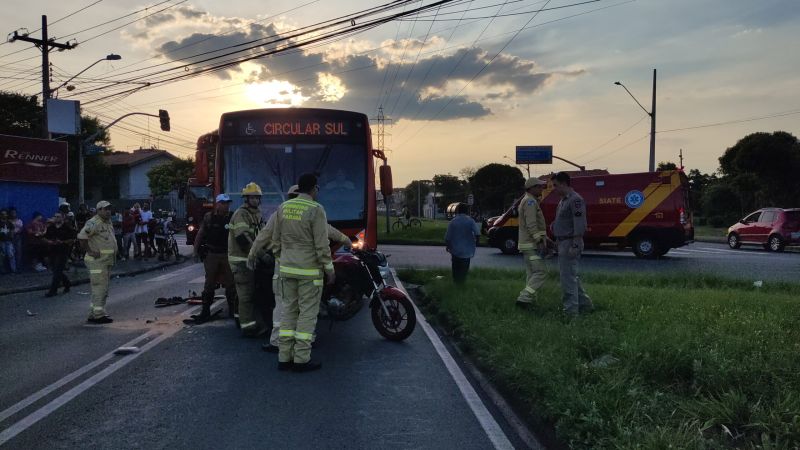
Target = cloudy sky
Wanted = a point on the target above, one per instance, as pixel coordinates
(464, 83)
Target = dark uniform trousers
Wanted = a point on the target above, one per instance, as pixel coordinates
(217, 268)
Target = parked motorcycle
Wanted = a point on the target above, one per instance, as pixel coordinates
(358, 277)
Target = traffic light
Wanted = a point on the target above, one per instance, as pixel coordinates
(163, 116)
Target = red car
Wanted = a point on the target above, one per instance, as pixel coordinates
(773, 228)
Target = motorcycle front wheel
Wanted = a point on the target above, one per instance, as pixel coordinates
(399, 323)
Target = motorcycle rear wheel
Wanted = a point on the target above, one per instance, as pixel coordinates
(401, 320)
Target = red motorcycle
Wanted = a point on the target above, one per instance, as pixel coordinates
(358, 277)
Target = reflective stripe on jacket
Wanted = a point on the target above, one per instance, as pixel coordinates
(246, 222)
(300, 239)
(532, 227)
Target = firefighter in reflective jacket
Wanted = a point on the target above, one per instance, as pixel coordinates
(97, 239)
(243, 228)
(263, 245)
(300, 240)
(532, 240)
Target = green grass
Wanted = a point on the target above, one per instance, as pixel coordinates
(709, 231)
(431, 233)
(675, 361)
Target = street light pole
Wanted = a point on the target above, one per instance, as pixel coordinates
(653, 127)
(652, 114)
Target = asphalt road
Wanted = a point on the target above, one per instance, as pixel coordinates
(207, 387)
(749, 263)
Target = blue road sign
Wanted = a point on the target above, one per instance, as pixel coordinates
(535, 154)
(92, 149)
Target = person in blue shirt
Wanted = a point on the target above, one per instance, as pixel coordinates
(460, 239)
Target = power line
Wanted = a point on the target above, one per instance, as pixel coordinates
(730, 122)
(343, 31)
(425, 19)
(619, 149)
(619, 135)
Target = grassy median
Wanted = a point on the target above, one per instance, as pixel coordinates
(674, 361)
(430, 233)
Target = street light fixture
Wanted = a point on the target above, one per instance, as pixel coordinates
(652, 114)
(110, 57)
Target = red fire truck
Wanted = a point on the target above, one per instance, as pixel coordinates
(273, 147)
(648, 212)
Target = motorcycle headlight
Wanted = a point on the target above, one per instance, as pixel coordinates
(190, 228)
(360, 240)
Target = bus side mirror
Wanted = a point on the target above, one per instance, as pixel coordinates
(385, 173)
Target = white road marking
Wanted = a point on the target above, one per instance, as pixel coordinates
(29, 420)
(198, 280)
(485, 418)
(35, 397)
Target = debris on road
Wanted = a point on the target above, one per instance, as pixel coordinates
(30, 314)
(163, 301)
(126, 350)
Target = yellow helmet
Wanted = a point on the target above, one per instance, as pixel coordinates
(252, 189)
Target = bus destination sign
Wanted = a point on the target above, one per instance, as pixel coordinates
(302, 127)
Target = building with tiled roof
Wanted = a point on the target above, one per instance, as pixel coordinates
(130, 170)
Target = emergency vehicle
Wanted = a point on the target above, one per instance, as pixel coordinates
(648, 212)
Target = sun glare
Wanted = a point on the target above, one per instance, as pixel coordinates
(275, 94)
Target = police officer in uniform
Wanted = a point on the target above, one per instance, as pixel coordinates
(262, 245)
(532, 240)
(568, 228)
(300, 240)
(211, 246)
(97, 240)
(244, 226)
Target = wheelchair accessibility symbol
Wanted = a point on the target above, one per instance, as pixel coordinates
(634, 199)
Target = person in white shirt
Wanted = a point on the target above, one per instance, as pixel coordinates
(142, 231)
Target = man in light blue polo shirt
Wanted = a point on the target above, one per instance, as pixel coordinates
(462, 235)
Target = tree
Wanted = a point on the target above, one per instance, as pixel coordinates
(764, 168)
(411, 194)
(722, 205)
(167, 177)
(20, 115)
(495, 186)
(666, 165)
(698, 184)
(451, 189)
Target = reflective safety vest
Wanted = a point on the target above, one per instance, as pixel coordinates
(100, 234)
(532, 227)
(300, 239)
(246, 222)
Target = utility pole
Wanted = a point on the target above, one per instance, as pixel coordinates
(381, 120)
(45, 45)
(653, 127)
(680, 156)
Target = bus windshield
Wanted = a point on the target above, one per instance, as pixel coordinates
(276, 167)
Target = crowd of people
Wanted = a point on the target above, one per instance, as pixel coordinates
(43, 244)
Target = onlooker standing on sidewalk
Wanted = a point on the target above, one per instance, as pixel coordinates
(460, 239)
(7, 243)
(128, 233)
(142, 230)
(116, 221)
(19, 231)
(60, 237)
(97, 239)
(136, 212)
(568, 228)
(36, 245)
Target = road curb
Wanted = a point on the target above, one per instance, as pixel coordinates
(84, 280)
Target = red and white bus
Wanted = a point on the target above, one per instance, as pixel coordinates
(273, 147)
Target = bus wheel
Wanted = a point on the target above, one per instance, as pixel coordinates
(645, 246)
